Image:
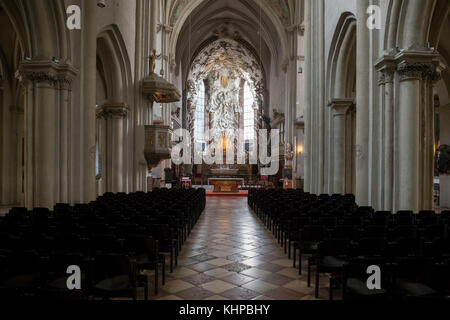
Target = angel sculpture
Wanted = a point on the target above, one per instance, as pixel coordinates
(153, 59)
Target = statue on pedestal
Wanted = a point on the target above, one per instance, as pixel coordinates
(153, 59)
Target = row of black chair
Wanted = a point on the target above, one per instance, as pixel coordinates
(113, 240)
(343, 239)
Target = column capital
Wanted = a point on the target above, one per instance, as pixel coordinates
(341, 105)
(386, 67)
(112, 110)
(49, 71)
(417, 64)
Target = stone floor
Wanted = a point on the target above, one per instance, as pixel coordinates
(231, 255)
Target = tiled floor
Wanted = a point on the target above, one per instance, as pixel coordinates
(231, 255)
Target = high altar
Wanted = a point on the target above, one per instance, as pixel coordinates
(225, 182)
(224, 95)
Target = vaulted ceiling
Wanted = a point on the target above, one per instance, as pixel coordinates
(258, 25)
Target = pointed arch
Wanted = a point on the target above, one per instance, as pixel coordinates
(116, 71)
(342, 58)
(415, 23)
(341, 94)
(40, 26)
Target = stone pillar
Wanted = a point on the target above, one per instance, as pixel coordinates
(320, 186)
(388, 140)
(10, 146)
(165, 30)
(114, 115)
(65, 87)
(415, 166)
(408, 137)
(39, 78)
(340, 107)
(291, 85)
(308, 79)
(88, 80)
(154, 9)
(291, 105)
(362, 103)
(386, 68)
(140, 112)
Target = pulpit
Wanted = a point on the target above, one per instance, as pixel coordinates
(158, 136)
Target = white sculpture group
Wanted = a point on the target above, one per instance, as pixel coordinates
(224, 105)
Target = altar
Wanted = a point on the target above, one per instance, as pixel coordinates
(226, 184)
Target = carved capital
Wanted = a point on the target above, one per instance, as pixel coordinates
(413, 71)
(432, 76)
(386, 67)
(49, 72)
(36, 77)
(386, 76)
(109, 111)
(417, 64)
(65, 82)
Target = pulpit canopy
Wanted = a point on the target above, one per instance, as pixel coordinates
(159, 90)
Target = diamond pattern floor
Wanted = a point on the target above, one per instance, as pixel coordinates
(231, 255)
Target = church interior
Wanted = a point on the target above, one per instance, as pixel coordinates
(225, 149)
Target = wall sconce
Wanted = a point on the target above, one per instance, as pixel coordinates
(300, 149)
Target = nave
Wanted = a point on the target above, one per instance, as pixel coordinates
(231, 255)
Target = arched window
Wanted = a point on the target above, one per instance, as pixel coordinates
(199, 121)
(249, 114)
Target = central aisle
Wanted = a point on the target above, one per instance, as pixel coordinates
(231, 255)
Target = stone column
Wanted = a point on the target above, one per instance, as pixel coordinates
(65, 87)
(140, 112)
(388, 139)
(320, 186)
(10, 145)
(114, 115)
(414, 67)
(291, 85)
(362, 103)
(40, 80)
(165, 30)
(46, 121)
(154, 9)
(408, 137)
(88, 75)
(340, 107)
(386, 68)
(308, 79)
